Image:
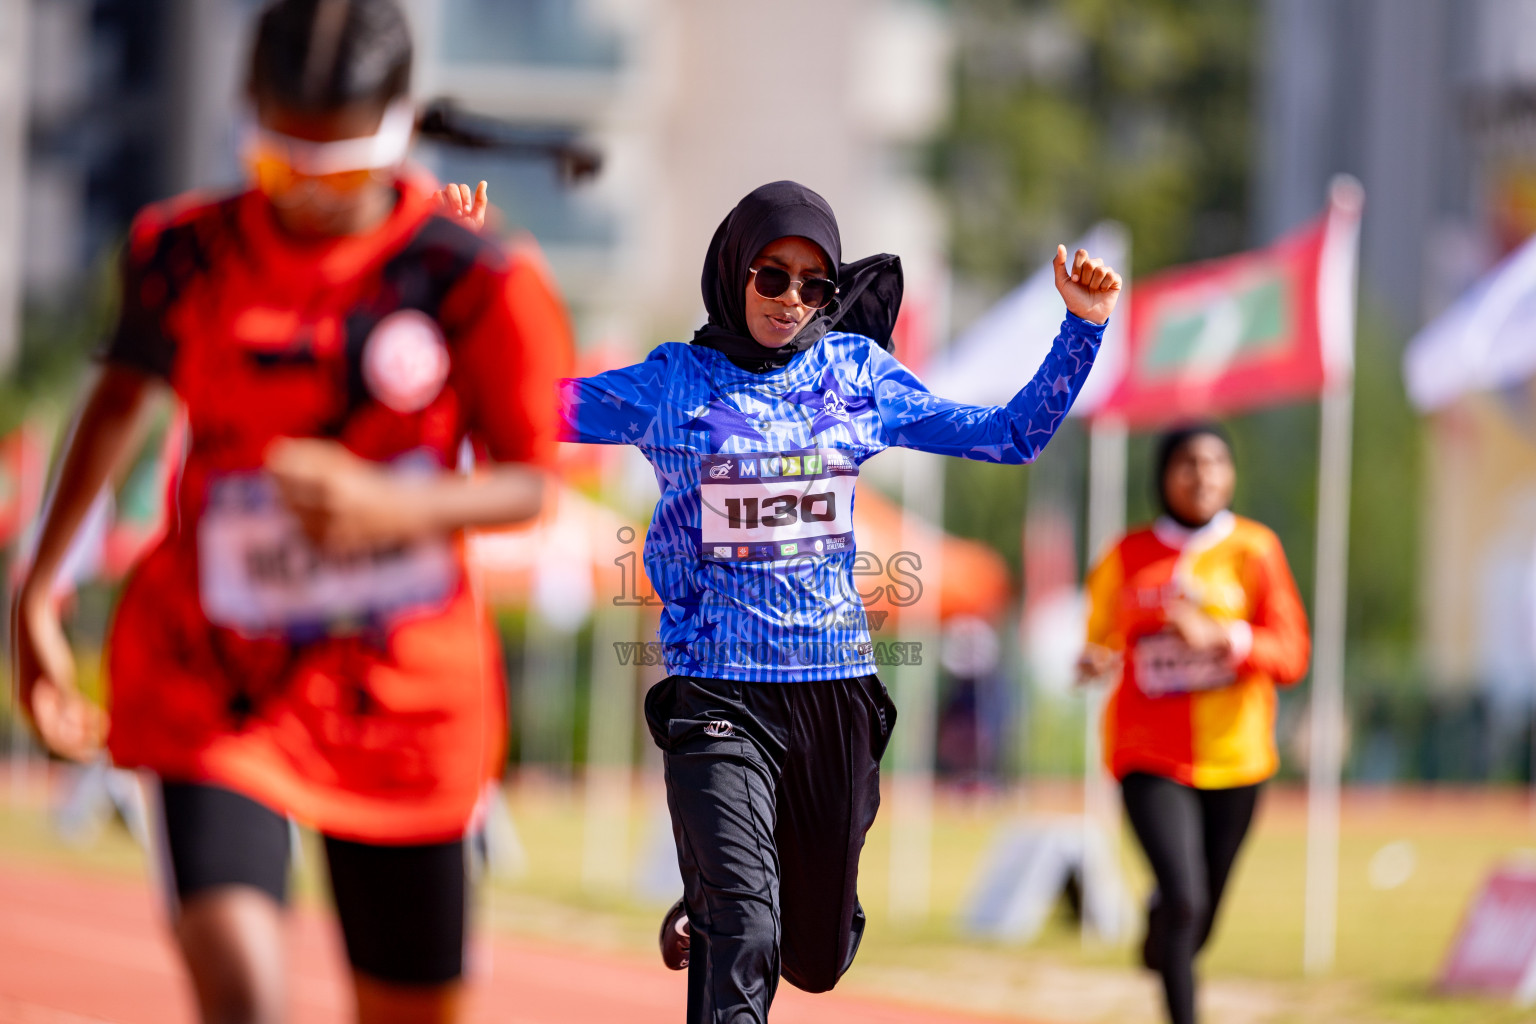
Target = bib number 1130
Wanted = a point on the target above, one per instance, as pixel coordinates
(776, 505)
(780, 510)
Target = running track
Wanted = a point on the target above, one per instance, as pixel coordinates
(84, 950)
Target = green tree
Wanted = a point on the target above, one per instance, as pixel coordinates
(1143, 111)
(1068, 112)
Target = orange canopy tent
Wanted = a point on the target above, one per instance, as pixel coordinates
(967, 577)
(575, 545)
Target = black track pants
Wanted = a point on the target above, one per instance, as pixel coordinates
(1191, 837)
(771, 787)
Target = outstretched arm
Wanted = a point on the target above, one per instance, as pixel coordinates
(45, 667)
(1017, 432)
(615, 407)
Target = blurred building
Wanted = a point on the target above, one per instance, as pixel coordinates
(1375, 88)
(696, 102)
(693, 102)
(113, 122)
(1432, 103)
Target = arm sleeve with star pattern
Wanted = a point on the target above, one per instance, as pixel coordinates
(613, 407)
(914, 417)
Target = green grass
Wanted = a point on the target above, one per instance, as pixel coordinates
(1390, 944)
(1391, 941)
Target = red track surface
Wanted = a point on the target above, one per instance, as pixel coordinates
(82, 950)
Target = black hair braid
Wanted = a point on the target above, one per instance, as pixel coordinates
(321, 55)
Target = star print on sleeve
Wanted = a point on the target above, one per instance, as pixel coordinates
(830, 404)
(616, 407)
(1014, 433)
(723, 421)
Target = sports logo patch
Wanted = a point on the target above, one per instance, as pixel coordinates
(405, 361)
(719, 729)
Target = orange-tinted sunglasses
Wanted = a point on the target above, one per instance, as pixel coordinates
(281, 166)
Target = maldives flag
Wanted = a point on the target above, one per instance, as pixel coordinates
(21, 481)
(1261, 328)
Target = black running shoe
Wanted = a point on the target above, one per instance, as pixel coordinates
(675, 937)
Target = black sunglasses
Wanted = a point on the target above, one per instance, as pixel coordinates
(771, 282)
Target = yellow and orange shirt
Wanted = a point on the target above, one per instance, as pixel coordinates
(1207, 722)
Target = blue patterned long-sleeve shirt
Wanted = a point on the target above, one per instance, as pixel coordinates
(751, 546)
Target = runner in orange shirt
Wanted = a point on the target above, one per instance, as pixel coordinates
(1197, 618)
(305, 642)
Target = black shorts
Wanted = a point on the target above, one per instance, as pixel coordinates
(403, 909)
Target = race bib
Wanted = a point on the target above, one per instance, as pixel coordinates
(258, 572)
(768, 506)
(1165, 665)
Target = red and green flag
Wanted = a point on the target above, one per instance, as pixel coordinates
(1247, 331)
(21, 481)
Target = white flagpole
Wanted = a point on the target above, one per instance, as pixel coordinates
(609, 775)
(911, 865)
(1336, 301)
(1107, 442)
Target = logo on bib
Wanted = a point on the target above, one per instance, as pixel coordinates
(405, 361)
(720, 471)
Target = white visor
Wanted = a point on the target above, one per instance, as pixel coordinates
(384, 148)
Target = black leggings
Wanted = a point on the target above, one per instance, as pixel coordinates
(1191, 837)
(772, 787)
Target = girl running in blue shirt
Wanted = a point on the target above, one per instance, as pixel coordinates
(772, 721)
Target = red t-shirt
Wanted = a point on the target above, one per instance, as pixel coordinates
(362, 696)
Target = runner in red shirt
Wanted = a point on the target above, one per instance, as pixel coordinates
(305, 642)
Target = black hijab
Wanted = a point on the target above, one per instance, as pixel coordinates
(869, 290)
